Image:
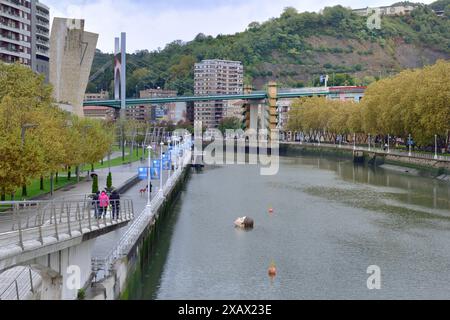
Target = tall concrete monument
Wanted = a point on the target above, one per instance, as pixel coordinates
(120, 71)
(71, 54)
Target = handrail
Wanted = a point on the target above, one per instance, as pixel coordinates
(392, 151)
(134, 231)
(35, 220)
(17, 287)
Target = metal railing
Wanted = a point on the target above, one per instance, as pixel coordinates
(391, 151)
(26, 221)
(23, 283)
(102, 267)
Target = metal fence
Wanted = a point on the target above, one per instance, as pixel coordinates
(18, 283)
(102, 267)
(35, 220)
(390, 151)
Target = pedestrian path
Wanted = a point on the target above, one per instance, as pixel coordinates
(17, 283)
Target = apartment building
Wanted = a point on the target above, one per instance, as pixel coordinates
(157, 112)
(216, 77)
(103, 95)
(24, 34)
(396, 10)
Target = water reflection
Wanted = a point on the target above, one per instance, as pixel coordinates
(333, 219)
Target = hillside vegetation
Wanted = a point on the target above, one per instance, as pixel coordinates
(296, 48)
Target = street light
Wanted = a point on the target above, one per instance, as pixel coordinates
(435, 147)
(149, 176)
(161, 169)
(170, 158)
(389, 144)
(410, 146)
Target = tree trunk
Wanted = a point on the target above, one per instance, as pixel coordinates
(69, 174)
(56, 177)
(92, 167)
(3, 194)
(12, 196)
(24, 191)
(51, 184)
(42, 183)
(77, 171)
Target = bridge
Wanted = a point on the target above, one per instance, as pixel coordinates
(55, 238)
(255, 95)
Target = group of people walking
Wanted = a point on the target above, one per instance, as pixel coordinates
(102, 201)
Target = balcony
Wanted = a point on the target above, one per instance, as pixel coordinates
(43, 14)
(43, 24)
(16, 4)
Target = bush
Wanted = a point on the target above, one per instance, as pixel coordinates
(109, 181)
(95, 185)
(81, 294)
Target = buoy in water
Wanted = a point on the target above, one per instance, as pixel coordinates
(271, 210)
(272, 270)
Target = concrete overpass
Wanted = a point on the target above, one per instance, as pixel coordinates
(55, 239)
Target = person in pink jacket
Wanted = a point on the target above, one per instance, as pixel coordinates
(103, 202)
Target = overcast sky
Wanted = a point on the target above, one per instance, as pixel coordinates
(154, 23)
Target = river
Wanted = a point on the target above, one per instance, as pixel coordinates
(331, 221)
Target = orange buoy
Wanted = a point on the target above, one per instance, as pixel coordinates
(271, 210)
(272, 270)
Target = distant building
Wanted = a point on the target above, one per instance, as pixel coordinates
(155, 112)
(233, 109)
(103, 95)
(102, 113)
(215, 77)
(24, 34)
(398, 10)
(344, 93)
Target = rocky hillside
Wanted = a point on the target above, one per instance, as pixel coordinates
(296, 48)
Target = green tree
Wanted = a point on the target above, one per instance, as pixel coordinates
(231, 123)
(109, 181)
(95, 184)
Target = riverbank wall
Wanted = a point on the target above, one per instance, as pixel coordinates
(435, 168)
(126, 272)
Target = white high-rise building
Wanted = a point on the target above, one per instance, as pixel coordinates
(24, 34)
(216, 77)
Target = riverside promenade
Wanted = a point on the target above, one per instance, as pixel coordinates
(21, 283)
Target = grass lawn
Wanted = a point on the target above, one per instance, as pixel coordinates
(33, 189)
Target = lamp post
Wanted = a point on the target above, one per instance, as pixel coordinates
(410, 146)
(389, 144)
(435, 147)
(161, 169)
(170, 158)
(149, 176)
(24, 129)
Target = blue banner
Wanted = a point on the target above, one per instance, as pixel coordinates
(143, 173)
(167, 164)
(155, 173)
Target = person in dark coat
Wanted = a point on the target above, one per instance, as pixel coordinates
(95, 199)
(115, 204)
